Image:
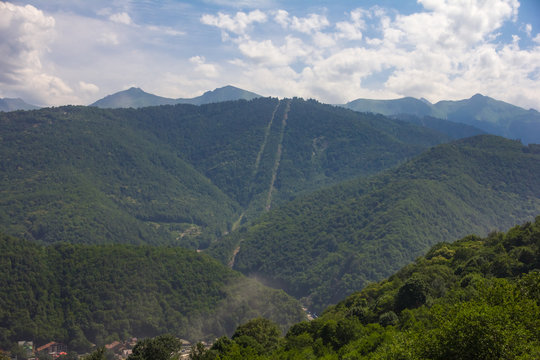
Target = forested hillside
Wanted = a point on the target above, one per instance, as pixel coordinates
(324, 246)
(86, 175)
(181, 174)
(476, 298)
(83, 294)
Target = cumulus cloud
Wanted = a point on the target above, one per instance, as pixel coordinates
(207, 70)
(121, 18)
(26, 35)
(528, 29)
(88, 87)
(450, 50)
(236, 24)
(309, 24)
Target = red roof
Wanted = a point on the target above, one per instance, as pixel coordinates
(112, 345)
(41, 348)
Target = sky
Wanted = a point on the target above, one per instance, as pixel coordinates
(57, 52)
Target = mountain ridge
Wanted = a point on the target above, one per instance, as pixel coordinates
(323, 245)
(135, 97)
(13, 104)
(490, 115)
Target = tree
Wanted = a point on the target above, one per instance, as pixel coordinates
(412, 294)
(163, 347)
(98, 354)
(259, 333)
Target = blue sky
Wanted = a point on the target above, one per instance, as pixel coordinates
(55, 52)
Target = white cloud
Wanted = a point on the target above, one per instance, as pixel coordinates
(282, 18)
(166, 30)
(108, 38)
(450, 50)
(88, 87)
(237, 24)
(26, 36)
(309, 24)
(528, 29)
(207, 70)
(121, 18)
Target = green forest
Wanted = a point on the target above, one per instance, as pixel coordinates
(180, 175)
(323, 246)
(94, 294)
(476, 298)
(224, 220)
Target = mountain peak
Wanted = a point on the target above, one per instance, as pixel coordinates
(136, 97)
(134, 89)
(12, 104)
(479, 97)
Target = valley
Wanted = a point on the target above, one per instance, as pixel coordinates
(289, 203)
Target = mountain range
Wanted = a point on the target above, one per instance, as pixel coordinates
(136, 98)
(490, 115)
(8, 104)
(317, 200)
(182, 174)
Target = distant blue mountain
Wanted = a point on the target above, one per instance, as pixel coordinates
(7, 104)
(485, 113)
(137, 98)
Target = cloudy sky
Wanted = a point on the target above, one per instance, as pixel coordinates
(55, 52)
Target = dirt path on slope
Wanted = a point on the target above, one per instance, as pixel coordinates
(235, 252)
(263, 145)
(278, 155)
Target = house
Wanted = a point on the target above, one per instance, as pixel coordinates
(53, 348)
(28, 347)
(112, 346)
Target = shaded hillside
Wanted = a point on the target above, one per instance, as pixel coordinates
(454, 130)
(476, 298)
(226, 93)
(80, 174)
(80, 294)
(406, 105)
(490, 115)
(137, 98)
(7, 104)
(328, 244)
(182, 174)
(242, 146)
(132, 98)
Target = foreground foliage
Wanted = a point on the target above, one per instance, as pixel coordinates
(477, 298)
(80, 294)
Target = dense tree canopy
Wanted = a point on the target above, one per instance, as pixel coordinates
(80, 294)
(181, 175)
(326, 245)
(477, 298)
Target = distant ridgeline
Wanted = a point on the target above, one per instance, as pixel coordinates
(7, 104)
(481, 112)
(323, 246)
(83, 294)
(182, 175)
(476, 298)
(137, 98)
